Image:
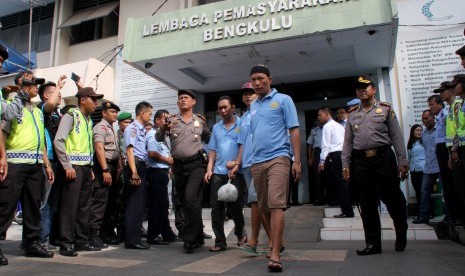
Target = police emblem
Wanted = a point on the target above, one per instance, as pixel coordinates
(108, 104)
(133, 133)
(274, 105)
(379, 110)
(356, 127)
(237, 130)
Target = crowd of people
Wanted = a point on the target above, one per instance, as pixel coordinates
(83, 187)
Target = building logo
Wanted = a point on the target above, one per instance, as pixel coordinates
(425, 9)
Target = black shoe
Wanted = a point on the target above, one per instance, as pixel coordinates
(296, 204)
(23, 246)
(158, 240)
(3, 259)
(421, 220)
(369, 250)
(86, 246)
(110, 240)
(96, 242)
(400, 245)
(190, 246)
(343, 216)
(143, 232)
(458, 222)
(174, 239)
(67, 251)
(35, 249)
(206, 236)
(137, 246)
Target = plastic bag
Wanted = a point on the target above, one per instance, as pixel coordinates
(227, 192)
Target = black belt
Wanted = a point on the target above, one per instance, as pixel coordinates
(112, 162)
(158, 169)
(187, 160)
(371, 152)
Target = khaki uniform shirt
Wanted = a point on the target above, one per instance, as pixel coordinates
(186, 138)
(371, 129)
(104, 133)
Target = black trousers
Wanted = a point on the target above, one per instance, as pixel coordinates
(158, 216)
(177, 206)
(333, 171)
(135, 204)
(458, 177)
(320, 179)
(188, 179)
(75, 207)
(450, 194)
(235, 208)
(417, 179)
(99, 197)
(23, 182)
(54, 201)
(377, 178)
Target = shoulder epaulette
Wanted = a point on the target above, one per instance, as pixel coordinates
(385, 104)
(353, 108)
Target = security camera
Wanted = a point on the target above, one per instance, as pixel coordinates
(371, 32)
(148, 65)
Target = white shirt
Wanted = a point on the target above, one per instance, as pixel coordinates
(332, 139)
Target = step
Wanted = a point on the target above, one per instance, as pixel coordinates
(332, 211)
(386, 234)
(355, 222)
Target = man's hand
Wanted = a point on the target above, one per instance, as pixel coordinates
(92, 175)
(135, 180)
(207, 177)
(3, 168)
(296, 171)
(70, 174)
(61, 81)
(233, 171)
(403, 172)
(170, 160)
(79, 83)
(321, 167)
(50, 175)
(107, 178)
(230, 165)
(346, 174)
(310, 160)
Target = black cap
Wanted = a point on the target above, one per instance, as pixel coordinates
(461, 51)
(88, 92)
(459, 78)
(441, 87)
(448, 84)
(364, 80)
(26, 82)
(260, 68)
(110, 105)
(187, 92)
(3, 52)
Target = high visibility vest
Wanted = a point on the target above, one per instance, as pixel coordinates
(79, 145)
(461, 124)
(26, 141)
(451, 123)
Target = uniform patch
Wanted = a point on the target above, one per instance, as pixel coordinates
(385, 104)
(237, 130)
(356, 127)
(274, 105)
(133, 133)
(378, 110)
(196, 123)
(393, 114)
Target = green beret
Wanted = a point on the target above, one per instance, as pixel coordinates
(124, 116)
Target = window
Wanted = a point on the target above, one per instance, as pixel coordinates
(204, 2)
(15, 29)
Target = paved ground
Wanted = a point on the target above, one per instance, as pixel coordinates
(304, 255)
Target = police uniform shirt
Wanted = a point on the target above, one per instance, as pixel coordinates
(314, 139)
(332, 139)
(186, 138)
(155, 146)
(371, 129)
(134, 135)
(104, 133)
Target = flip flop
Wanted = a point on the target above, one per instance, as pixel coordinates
(280, 251)
(275, 266)
(248, 248)
(217, 249)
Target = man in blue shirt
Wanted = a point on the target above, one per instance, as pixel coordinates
(224, 147)
(158, 164)
(431, 169)
(274, 127)
(136, 152)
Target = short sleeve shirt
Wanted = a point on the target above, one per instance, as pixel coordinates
(225, 143)
(314, 139)
(105, 134)
(134, 135)
(245, 139)
(155, 146)
(271, 117)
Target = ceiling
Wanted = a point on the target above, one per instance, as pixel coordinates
(319, 56)
(13, 6)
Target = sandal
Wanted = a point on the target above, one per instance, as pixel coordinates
(217, 249)
(248, 248)
(275, 266)
(280, 251)
(242, 240)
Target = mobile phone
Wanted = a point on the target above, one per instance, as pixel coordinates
(75, 77)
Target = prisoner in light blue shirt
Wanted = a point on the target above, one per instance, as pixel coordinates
(155, 146)
(134, 135)
(245, 139)
(225, 143)
(271, 117)
(417, 157)
(429, 143)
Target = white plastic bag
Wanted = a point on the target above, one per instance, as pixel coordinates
(227, 192)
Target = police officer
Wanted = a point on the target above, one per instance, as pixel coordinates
(135, 176)
(187, 131)
(105, 165)
(114, 213)
(26, 153)
(372, 128)
(74, 148)
(313, 156)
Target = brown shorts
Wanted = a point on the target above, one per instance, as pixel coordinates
(271, 179)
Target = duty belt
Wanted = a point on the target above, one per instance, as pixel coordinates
(371, 152)
(187, 160)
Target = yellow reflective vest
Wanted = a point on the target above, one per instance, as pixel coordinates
(79, 145)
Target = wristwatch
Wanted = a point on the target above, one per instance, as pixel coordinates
(106, 170)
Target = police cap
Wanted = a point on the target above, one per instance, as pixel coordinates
(461, 51)
(187, 92)
(110, 105)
